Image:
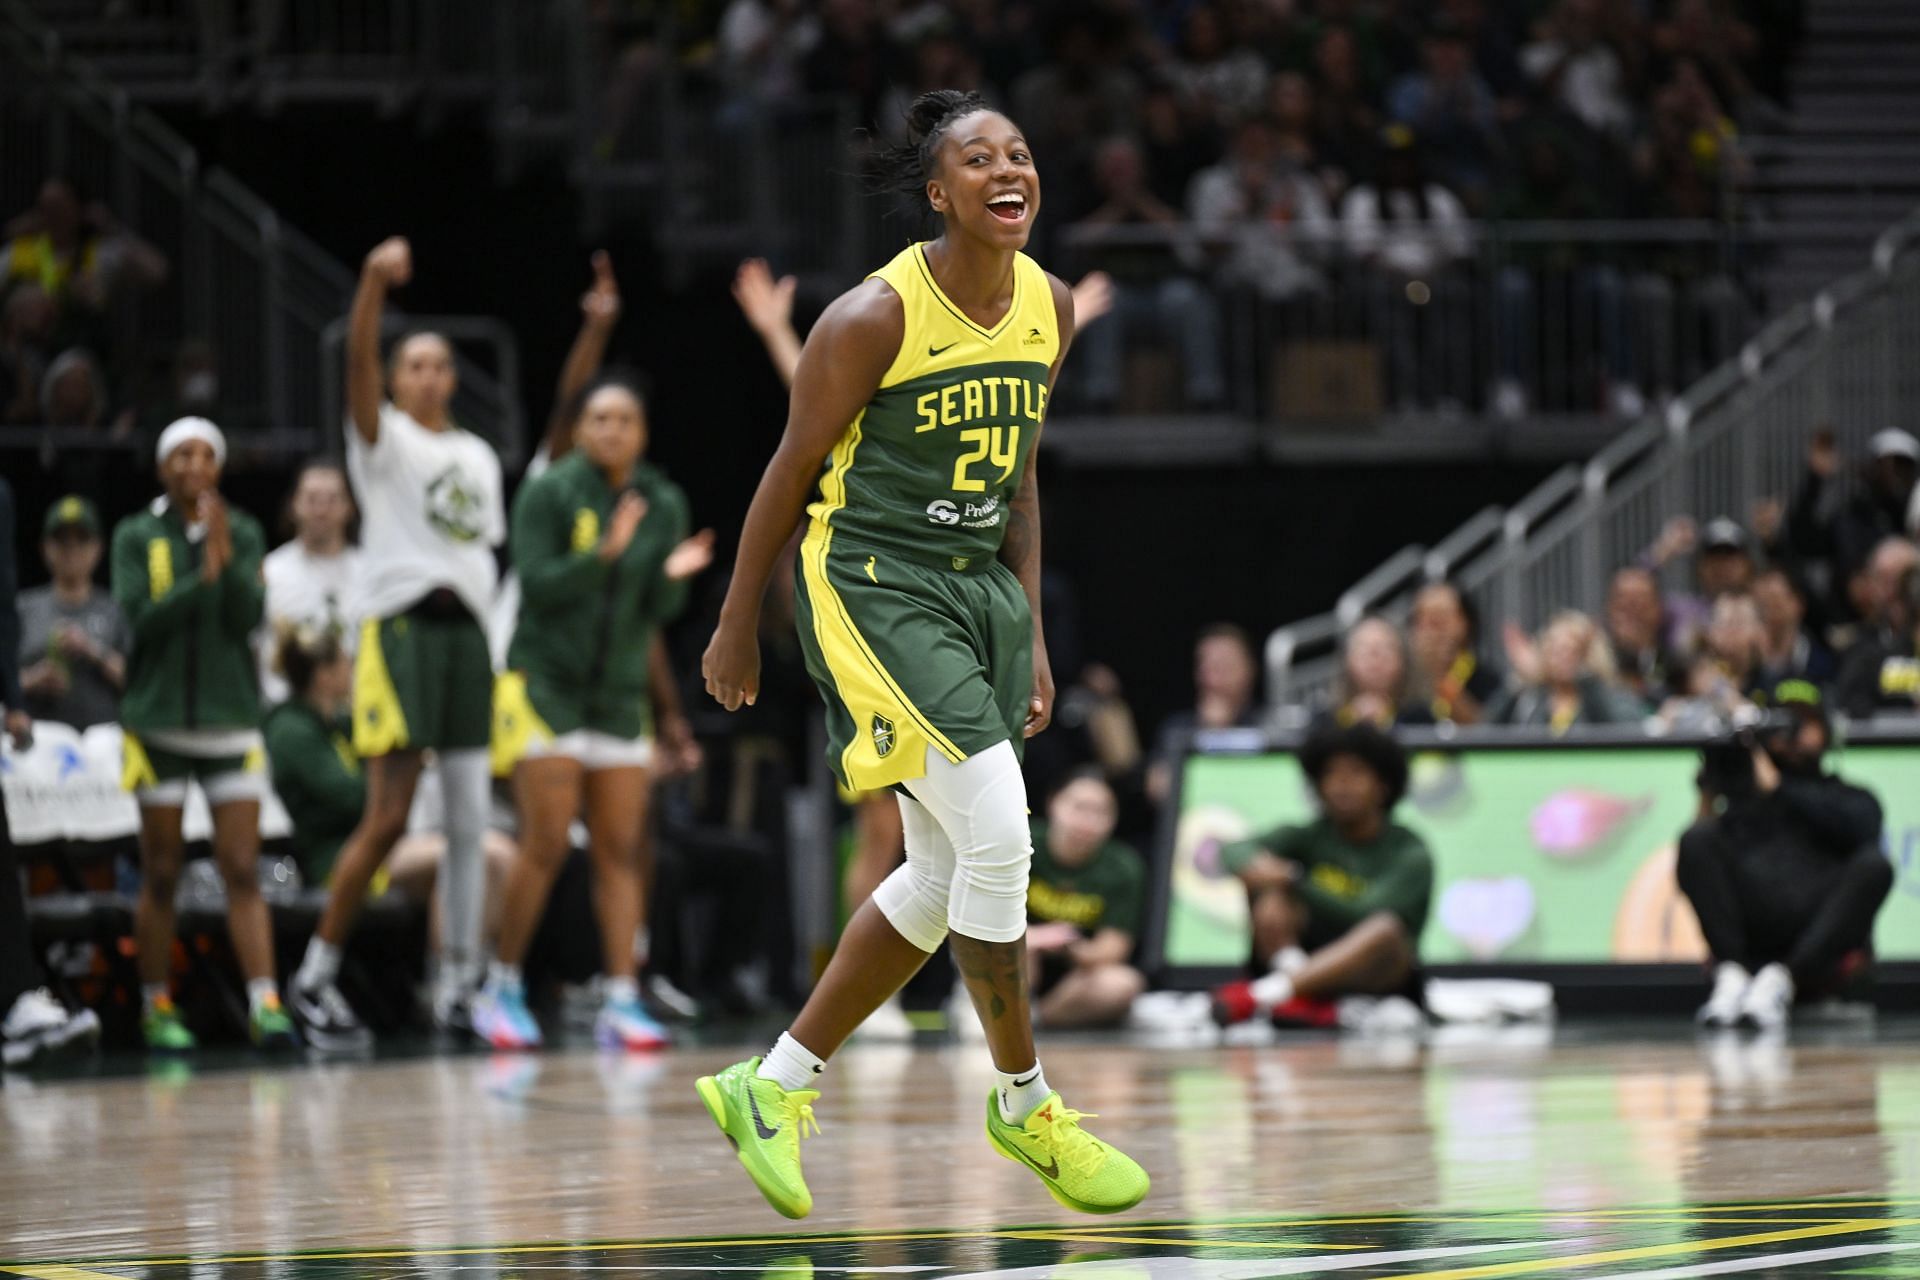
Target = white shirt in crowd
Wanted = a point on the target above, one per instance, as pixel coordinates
(430, 515)
(305, 590)
(1401, 240)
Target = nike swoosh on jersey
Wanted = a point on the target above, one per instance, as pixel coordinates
(934, 351)
(759, 1125)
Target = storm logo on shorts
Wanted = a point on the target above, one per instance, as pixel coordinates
(454, 506)
(882, 736)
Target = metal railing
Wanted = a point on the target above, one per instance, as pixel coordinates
(242, 279)
(1740, 434)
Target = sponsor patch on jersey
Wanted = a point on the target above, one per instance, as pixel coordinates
(940, 511)
(882, 736)
(454, 505)
(1034, 338)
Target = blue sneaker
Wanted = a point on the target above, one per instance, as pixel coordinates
(624, 1023)
(502, 1019)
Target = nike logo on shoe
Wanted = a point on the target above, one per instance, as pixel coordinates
(759, 1125)
(1050, 1170)
(934, 351)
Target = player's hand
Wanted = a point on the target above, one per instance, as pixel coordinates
(627, 515)
(690, 557)
(1056, 936)
(1766, 774)
(20, 728)
(600, 304)
(391, 262)
(1092, 298)
(1040, 705)
(679, 750)
(219, 543)
(731, 666)
(1678, 537)
(767, 303)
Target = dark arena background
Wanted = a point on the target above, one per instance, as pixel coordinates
(1478, 831)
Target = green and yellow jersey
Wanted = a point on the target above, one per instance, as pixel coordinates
(930, 465)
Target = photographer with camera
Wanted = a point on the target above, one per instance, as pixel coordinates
(1784, 869)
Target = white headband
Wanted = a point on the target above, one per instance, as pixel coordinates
(192, 429)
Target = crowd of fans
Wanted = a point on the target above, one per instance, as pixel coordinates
(1326, 159)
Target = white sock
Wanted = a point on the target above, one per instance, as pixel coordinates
(1288, 960)
(152, 993)
(622, 988)
(320, 966)
(464, 790)
(1020, 1092)
(502, 976)
(1272, 991)
(259, 992)
(790, 1064)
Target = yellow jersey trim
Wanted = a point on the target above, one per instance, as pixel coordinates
(379, 721)
(940, 296)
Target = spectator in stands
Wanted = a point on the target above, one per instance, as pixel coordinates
(1450, 109)
(1412, 234)
(34, 1023)
(1733, 641)
(1788, 875)
(1338, 905)
(309, 739)
(1086, 901)
(26, 326)
(1787, 650)
(73, 392)
(1723, 566)
(1688, 157)
(1078, 96)
(1224, 80)
(73, 639)
(310, 577)
(1585, 59)
(1882, 674)
(186, 573)
(1270, 222)
(1566, 679)
(80, 254)
(1226, 685)
(1709, 32)
(1636, 635)
(1175, 146)
(1879, 509)
(1373, 676)
(1875, 594)
(1348, 120)
(850, 56)
(1449, 683)
(1152, 295)
(1295, 134)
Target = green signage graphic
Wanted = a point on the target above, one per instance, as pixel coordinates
(1562, 855)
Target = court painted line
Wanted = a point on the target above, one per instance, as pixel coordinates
(1186, 1267)
(1800, 1259)
(59, 1272)
(1083, 1237)
(1676, 1249)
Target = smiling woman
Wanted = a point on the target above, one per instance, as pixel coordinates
(916, 407)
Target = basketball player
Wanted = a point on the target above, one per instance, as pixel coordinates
(186, 572)
(921, 393)
(431, 510)
(600, 544)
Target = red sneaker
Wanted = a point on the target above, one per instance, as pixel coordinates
(1234, 1003)
(1304, 1011)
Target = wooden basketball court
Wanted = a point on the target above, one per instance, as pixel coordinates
(1589, 1151)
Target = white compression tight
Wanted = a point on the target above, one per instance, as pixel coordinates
(464, 791)
(968, 852)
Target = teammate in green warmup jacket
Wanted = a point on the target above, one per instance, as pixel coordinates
(186, 573)
(600, 543)
(316, 773)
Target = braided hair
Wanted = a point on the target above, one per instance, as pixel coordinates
(904, 169)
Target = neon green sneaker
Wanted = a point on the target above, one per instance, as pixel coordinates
(164, 1031)
(765, 1124)
(1078, 1169)
(271, 1028)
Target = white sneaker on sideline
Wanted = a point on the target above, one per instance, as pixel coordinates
(39, 1025)
(886, 1025)
(1722, 1009)
(1768, 1001)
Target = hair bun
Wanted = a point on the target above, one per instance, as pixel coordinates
(932, 109)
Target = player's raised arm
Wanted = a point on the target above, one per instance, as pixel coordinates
(767, 304)
(841, 365)
(387, 267)
(599, 314)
